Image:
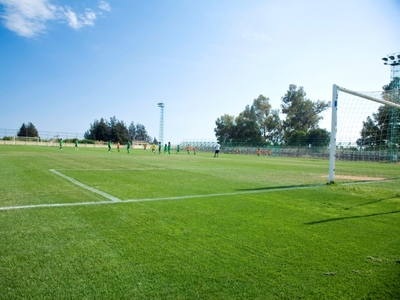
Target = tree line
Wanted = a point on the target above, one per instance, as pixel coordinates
(382, 129)
(102, 130)
(27, 130)
(260, 124)
(115, 131)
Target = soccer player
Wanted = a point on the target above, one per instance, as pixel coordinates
(165, 148)
(159, 147)
(194, 150)
(76, 144)
(188, 149)
(153, 148)
(178, 150)
(169, 147)
(118, 146)
(109, 146)
(258, 152)
(61, 142)
(128, 147)
(217, 148)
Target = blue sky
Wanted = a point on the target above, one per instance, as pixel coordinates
(65, 63)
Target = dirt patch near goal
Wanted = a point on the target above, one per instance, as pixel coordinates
(358, 178)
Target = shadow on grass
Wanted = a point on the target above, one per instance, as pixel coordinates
(376, 201)
(353, 217)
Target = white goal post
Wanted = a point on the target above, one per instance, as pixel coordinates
(334, 122)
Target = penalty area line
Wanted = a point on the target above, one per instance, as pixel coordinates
(105, 195)
(160, 198)
(261, 191)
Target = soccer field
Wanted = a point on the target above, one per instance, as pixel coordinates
(90, 224)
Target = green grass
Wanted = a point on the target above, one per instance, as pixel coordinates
(233, 227)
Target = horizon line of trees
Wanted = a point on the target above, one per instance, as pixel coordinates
(260, 124)
(116, 130)
(102, 130)
(382, 129)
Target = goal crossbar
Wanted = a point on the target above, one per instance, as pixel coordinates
(384, 102)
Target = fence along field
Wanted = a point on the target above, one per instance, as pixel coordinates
(238, 227)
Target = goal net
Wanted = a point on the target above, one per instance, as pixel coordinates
(365, 135)
(21, 140)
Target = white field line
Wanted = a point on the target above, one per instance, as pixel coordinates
(259, 191)
(162, 198)
(114, 170)
(105, 195)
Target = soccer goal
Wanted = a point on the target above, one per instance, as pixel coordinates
(21, 140)
(365, 134)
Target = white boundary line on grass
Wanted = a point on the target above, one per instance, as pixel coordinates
(105, 195)
(161, 198)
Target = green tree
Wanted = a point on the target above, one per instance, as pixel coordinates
(378, 128)
(116, 131)
(318, 137)
(262, 109)
(141, 133)
(121, 132)
(102, 131)
(224, 130)
(112, 129)
(132, 131)
(28, 130)
(98, 131)
(370, 132)
(243, 128)
(297, 138)
(273, 128)
(246, 128)
(302, 114)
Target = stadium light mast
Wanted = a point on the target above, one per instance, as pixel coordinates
(393, 60)
(161, 129)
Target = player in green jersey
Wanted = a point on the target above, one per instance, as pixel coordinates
(169, 147)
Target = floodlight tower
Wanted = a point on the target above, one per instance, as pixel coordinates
(393, 60)
(161, 130)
